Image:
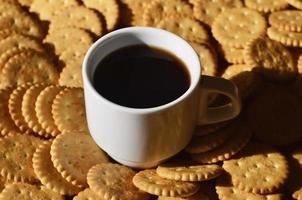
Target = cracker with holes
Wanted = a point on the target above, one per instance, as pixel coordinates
(71, 75)
(43, 108)
(19, 41)
(149, 181)
(30, 66)
(238, 139)
(73, 154)
(26, 191)
(187, 28)
(206, 11)
(259, 168)
(238, 26)
(110, 181)
(15, 105)
(48, 174)
(245, 79)
(160, 9)
(47, 9)
(79, 17)
(108, 8)
(272, 59)
(28, 109)
(200, 144)
(292, 39)
(226, 190)
(68, 110)
(266, 6)
(15, 18)
(207, 57)
(180, 172)
(131, 12)
(200, 195)
(233, 55)
(7, 125)
(86, 194)
(283, 126)
(16, 157)
(287, 20)
(69, 39)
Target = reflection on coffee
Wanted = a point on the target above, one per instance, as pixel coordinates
(141, 76)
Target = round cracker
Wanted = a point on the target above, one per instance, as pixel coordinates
(200, 144)
(14, 107)
(86, 195)
(259, 168)
(131, 12)
(110, 181)
(47, 9)
(28, 67)
(16, 157)
(160, 9)
(266, 6)
(244, 78)
(180, 172)
(71, 75)
(200, 195)
(281, 128)
(233, 55)
(48, 174)
(295, 3)
(26, 191)
(68, 110)
(73, 154)
(7, 125)
(69, 39)
(226, 191)
(108, 8)
(19, 41)
(207, 10)
(287, 20)
(239, 138)
(43, 108)
(149, 181)
(207, 57)
(188, 28)
(292, 39)
(238, 26)
(79, 17)
(272, 59)
(28, 109)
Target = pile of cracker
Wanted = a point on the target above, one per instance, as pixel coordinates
(46, 151)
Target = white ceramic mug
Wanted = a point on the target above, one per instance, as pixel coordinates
(145, 137)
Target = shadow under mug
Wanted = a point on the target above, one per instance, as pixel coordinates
(143, 138)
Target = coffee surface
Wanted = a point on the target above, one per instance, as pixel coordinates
(141, 76)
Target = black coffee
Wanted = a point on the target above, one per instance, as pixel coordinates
(141, 76)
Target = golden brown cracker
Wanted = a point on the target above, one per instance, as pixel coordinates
(233, 55)
(79, 17)
(258, 168)
(295, 3)
(73, 154)
(200, 195)
(292, 39)
(238, 26)
(28, 67)
(7, 125)
(71, 75)
(160, 9)
(266, 6)
(287, 20)
(240, 137)
(16, 157)
(86, 195)
(48, 174)
(149, 181)
(68, 110)
(273, 117)
(108, 8)
(110, 181)
(43, 108)
(207, 10)
(272, 59)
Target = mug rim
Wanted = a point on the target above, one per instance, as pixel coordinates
(87, 82)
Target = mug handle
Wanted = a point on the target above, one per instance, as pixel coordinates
(209, 115)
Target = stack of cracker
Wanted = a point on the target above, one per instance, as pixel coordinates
(46, 151)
